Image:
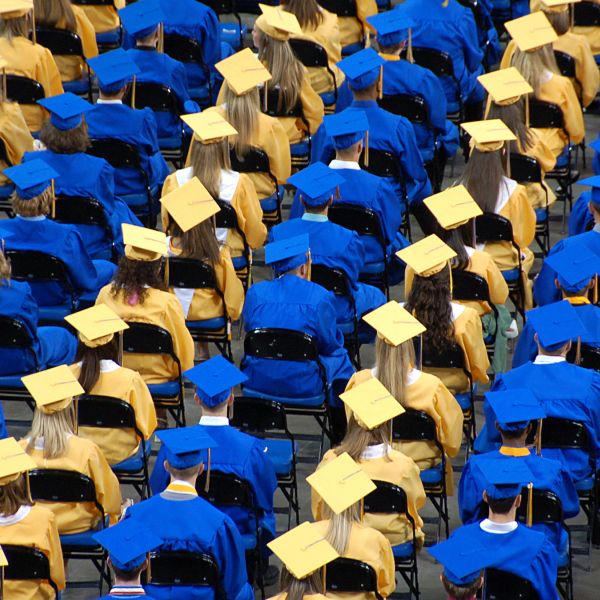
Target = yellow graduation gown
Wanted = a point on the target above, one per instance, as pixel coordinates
(395, 468)
(206, 304)
(124, 384)
(371, 547)
(162, 309)
(352, 29)
(84, 457)
(283, 596)
(27, 59)
(34, 526)
(15, 135)
(104, 18)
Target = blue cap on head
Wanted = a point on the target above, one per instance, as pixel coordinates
(141, 19)
(575, 267)
(556, 324)
(185, 446)
(362, 68)
(114, 70)
(285, 255)
(66, 110)
(215, 379)
(391, 26)
(128, 542)
(31, 178)
(504, 477)
(462, 563)
(317, 183)
(593, 182)
(346, 128)
(515, 408)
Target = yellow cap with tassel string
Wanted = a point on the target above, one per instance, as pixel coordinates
(97, 325)
(243, 71)
(13, 461)
(53, 389)
(428, 256)
(453, 207)
(531, 31)
(393, 323)
(209, 126)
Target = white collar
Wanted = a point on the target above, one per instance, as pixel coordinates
(100, 101)
(39, 442)
(18, 516)
(108, 366)
(507, 187)
(491, 527)
(211, 420)
(344, 164)
(542, 359)
(546, 76)
(413, 376)
(38, 218)
(470, 251)
(457, 310)
(374, 452)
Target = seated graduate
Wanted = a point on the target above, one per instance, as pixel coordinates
(112, 119)
(292, 301)
(330, 244)
(587, 205)
(128, 544)
(188, 523)
(396, 368)
(348, 131)
(447, 323)
(387, 132)
(97, 368)
(516, 409)
(14, 134)
(53, 443)
(576, 279)
(104, 18)
(565, 391)
(25, 523)
(354, 30)
(367, 441)
(51, 346)
(32, 202)
(340, 485)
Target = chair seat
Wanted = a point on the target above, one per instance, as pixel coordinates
(168, 389)
(230, 33)
(54, 313)
(352, 49)
(77, 86)
(6, 191)
(541, 216)
(239, 262)
(374, 267)
(328, 98)
(511, 276)
(83, 539)
(170, 143)
(585, 485)
(248, 541)
(433, 476)
(12, 381)
(209, 324)
(271, 203)
(464, 400)
(134, 463)
(309, 401)
(109, 37)
(403, 551)
(299, 149)
(280, 453)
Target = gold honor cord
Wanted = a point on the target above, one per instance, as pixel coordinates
(133, 92)
(529, 504)
(538, 438)
(207, 483)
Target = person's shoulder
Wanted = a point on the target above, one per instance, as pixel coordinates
(83, 448)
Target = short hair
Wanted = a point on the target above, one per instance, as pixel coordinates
(501, 506)
(35, 207)
(70, 141)
(186, 473)
(127, 575)
(513, 434)
(461, 592)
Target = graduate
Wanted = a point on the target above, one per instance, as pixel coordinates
(105, 20)
(98, 371)
(330, 244)
(516, 409)
(112, 119)
(338, 489)
(32, 230)
(53, 443)
(187, 523)
(564, 390)
(25, 523)
(354, 30)
(387, 132)
(128, 544)
(590, 32)
(26, 58)
(581, 218)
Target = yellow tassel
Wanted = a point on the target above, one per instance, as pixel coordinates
(53, 199)
(409, 52)
(527, 111)
(578, 351)
(33, 31)
(4, 90)
(133, 92)
(161, 38)
(167, 272)
(595, 295)
(207, 483)
(450, 278)
(488, 106)
(324, 580)
(507, 159)
(381, 82)
(367, 148)
(28, 488)
(120, 359)
(265, 98)
(529, 504)
(538, 438)
(309, 265)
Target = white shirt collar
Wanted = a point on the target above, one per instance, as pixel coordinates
(344, 164)
(542, 359)
(100, 101)
(38, 218)
(470, 251)
(211, 420)
(18, 516)
(39, 442)
(108, 366)
(374, 452)
(491, 527)
(457, 310)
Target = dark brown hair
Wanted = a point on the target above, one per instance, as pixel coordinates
(307, 12)
(35, 207)
(462, 592)
(70, 141)
(90, 361)
(455, 238)
(502, 506)
(199, 242)
(561, 21)
(133, 276)
(483, 177)
(51, 12)
(13, 495)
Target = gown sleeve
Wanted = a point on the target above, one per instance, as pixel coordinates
(143, 405)
(247, 206)
(108, 491)
(55, 558)
(230, 285)
(451, 420)
(471, 341)
(183, 344)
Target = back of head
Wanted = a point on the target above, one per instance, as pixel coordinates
(13, 496)
(243, 113)
(307, 12)
(51, 13)
(90, 361)
(198, 243)
(55, 429)
(340, 525)
(513, 116)
(208, 160)
(461, 592)
(483, 177)
(4, 269)
(393, 365)
(65, 141)
(14, 28)
(33, 207)
(297, 589)
(134, 278)
(561, 21)
(534, 65)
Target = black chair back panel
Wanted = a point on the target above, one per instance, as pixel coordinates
(545, 115)
(491, 227)
(105, 412)
(158, 97)
(29, 265)
(143, 338)
(351, 576)
(387, 498)
(226, 217)
(183, 568)
(281, 344)
(414, 425)
(502, 585)
(221, 7)
(436, 61)
(334, 280)
(565, 434)
(25, 563)
(356, 218)
(56, 485)
(452, 358)
(525, 169)
(590, 357)
(182, 48)
(274, 105)
(257, 414)
(78, 210)
(412, 108)
(118, 154)
(14, 334)
(470, 287)
(381, 164)
(342, 8)
(60, 42)
(546, 507)
(566, 64)
(256, 160)
(587, 14)
(309, 53)
(225, 489)
(191, 274)
(23, 90)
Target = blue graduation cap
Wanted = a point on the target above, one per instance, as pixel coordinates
(346, 128)
(462, 563)
(556, 324)
(391, 26)
(214, 379)
(504, 477)
(593, 182)
(362, 68)
(287, 254)
(316, 184)
(114, 70)
(31, 178)
(141, 19)
(574, 267)
(66, 110)
(185, 445)
(128, 542)
(515, 408)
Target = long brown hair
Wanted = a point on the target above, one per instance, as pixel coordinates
(308, 12)
(561, 21)
(483, 176)
(297, 589)
(207, 162)
(51, 12)
(5, 269)
(242, 112)
(13, 495)
(35, 207)
(90, 361)
(133, 276)
(455, 239)
(70, 141)
(199, 242)
(393, 365)
(513, 116)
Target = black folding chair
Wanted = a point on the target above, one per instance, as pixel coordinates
(26, 563)
(181, 568)
(502, 585)
(589, 357)
(391, 499)
(344, 8)
(144, 338)
(351, 576)
(227, 7)
(8, 188)
(586, 14)
(106, 412)
(24, 90)
(193, 274)
(103, 46)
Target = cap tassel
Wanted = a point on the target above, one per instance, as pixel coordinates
(133, 92)
(578, 351)
(120, 357)
(538, 438)
(595, 293)
(166, 272)
(381, 82)
(366, 149)
(53, 199)
(324, 576)
(309, 265)
(4, 89)
(527, 111)
(265, 98)
(529, 504)
(450, 278)
(28, 488)
(207, 482)
(507, 159)
(488, 106)
(409, 52)
(161, 38)
(148, 571)
(33, 31)
(76, 408)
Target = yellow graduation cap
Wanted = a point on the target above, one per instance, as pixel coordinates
(505, 86)
(557, 5)
(142, 243)
(453, 207)
(341, 483)
(278, 23)
(13, 460)
(53, 389)
(488, 136)
(531, 31)
(13, 9)
(209, 126)
(393, 323)
(190, 204)
(428, 256)
(303, 550)
(96, 325)
(243, 71)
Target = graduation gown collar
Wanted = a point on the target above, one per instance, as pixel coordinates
(508, 451)
(181, 487)
(577, 300)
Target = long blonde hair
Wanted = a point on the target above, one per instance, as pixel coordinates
(14, 28)
(55, 430)
(308, 12)
(393, 365)
(207, 162)
(52, 12)
(242, 112)
(534, 64)
(340, 526)
(297, 589)
(4, 268)
(357, 439)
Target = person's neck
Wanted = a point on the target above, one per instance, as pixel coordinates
(390, 52)
(514, 443)
(509, 517)
(118, 97)
(128, 582)
(191, 480)
(371, 97)
(219, 411)
(347, 157)
(323, 212)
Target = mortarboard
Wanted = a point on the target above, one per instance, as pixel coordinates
(13, 460)
(515, 408)
(278, 23)
(142, 243)
(317, 183)
(128, 543)
(593, 182)
(114, 70)
(96, 325)
(393, 323)
(453, 207)
(341, 483)
(347, 128)
(66, 110)
(505, 86)
(190, 204)
(556, 5)
(53, 390)
(287, 254)
(462, 563)
(14, 9)
(31, 178)
(141, 19)
(392, 27)
(243, 71)
(214, 380)
(488, 136)
(427, 256)
(574, 266)
(504, 477)
(303, 550)
(209, 126)
(184, 446)
(531, 31)
(362, 68)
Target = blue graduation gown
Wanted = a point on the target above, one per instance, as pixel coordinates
(520, 8)
(290, 302)
(337, 248)
(548, 475)
(566, 391)
(450, 29)
(53, 346)
(544, 290)
(191, 524)
(64, 242)
(486, 31)
(581, 217)
(393, 134)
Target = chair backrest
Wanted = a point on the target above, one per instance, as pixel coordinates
(31, 265)
(94, 2)
(309, 53)
(188, 273)
(158, 97)
(221, 7)
(105, 412)
(440, 63)
(60, 42)
(117, 153)
(226, 489)
(490, 227)
(183, 48)
(589, 356)
(145, 338)
(545, 115)
(566, 64)
(256, 160)
(410, 107)
(587, 14)
(564, 434)
(274, 106)
(452, 358)
(502, 585)
(183, 568)
(388, 498)
(79, 210)
(469, 287)
(414, 426)
(546, 507)
(525, 169)
(382, 164)
(342, 8)
(334, 280)
(14, 336)
(357, 218)
(27, 563)
(348, 575)
(258, 415)
(227, 217)
(281, 344)
(23, 90)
